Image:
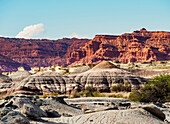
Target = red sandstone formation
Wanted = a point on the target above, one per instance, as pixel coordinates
(138, 46)
(36, 52)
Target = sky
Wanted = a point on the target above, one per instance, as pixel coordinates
(54, 19)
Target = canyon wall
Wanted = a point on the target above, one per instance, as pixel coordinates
(35, 52)
(139, 46)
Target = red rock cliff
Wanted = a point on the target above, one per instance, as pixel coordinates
(138, 46)
(36, 52)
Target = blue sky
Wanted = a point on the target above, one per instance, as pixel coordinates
(82, 18)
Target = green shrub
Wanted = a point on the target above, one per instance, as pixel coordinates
(121, 87)
(76, 95)
(116, 96)
(135, 96)
(90, 89)
(157, 90)
(88, 92)
(98, 94)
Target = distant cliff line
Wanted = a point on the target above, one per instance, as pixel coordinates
(139, 46)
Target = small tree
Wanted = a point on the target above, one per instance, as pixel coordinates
(157, 90)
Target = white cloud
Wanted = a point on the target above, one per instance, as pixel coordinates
(31, 31)
(75, 35)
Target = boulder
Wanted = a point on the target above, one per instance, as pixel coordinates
(32, 111)
(61, 108)
(52, 113)
(28, 108)
(14, 117)
(155, 111)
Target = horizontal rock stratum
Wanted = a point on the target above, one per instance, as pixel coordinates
(139, 46)
(16, 52)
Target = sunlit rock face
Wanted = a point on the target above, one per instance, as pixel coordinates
(104, 75)
(27, 53)
(138, 46)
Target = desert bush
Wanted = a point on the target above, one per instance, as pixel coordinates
(76, 95)
(121, 87)
(157, 90)
(90, 89)
(88, 92)
(116, 96)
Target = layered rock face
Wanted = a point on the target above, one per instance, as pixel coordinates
(44, 83)
(138, 46)
(105, 75)
(35, 52)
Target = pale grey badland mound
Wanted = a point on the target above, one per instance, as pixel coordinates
(45, 83)
(104, 65)
(104, 75)
(19, 75)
